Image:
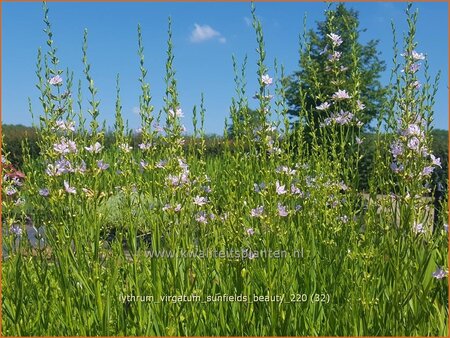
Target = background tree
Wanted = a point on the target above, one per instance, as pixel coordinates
(314, 80)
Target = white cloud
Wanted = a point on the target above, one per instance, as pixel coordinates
(248, 21)
(203, 33)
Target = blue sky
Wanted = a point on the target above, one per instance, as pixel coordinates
(205, 36)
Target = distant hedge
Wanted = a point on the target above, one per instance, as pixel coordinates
(14, 135)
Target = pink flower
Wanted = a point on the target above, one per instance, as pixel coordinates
(56, 80)
(250, 231)
(266, 80)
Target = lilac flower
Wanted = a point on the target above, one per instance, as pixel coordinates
(257, 212)
(280, 189)
(413, 130)
(200, 200)
(63, 125)
(16, 230)
(418, 228)
(440, 273)
(166, 207)
(143, 164)
(19, 202)
(266, 80)
(336, 39)
(436, 160)
(161, 164)
(63, 166)
(427, 171)
(102, 165)
(95, 148)
(324, 50)
(250, 231)
(298, 207)
(174, 180)
(56, 80)
(295, 190)
(344, 117)
(282, 212)
(183, 165)
(281, 168)
(417, 56)
(342, 186)
(396, 168)
(358, 141)
(184, 177)
(158, 127)
(335, 56)
(17, 182)
(360, 105)
(206, 189)
(414, 68)
(416, 84)
(413, 143)
(11, 191)
(72, 146)
(125, 147)
(259, 187)
(177, 113)
(65, 147)
(396, 148)
(51, 170)
(323, 106)
(44, 192)
(145, 146)
(81, 168)
(201, 217)
(177, 208)
(68, 188)
(61, 148)
(341, 95)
